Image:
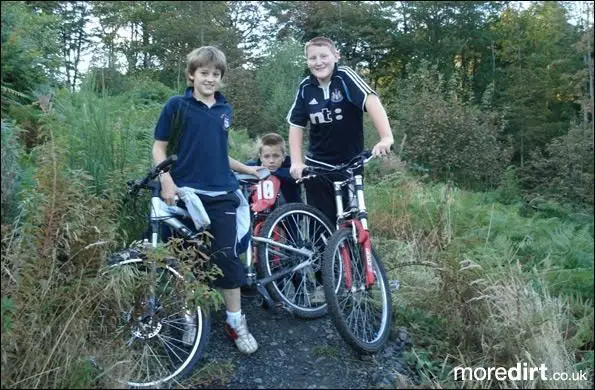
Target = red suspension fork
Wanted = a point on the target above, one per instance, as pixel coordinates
(344, 251)
(276, 237)
(363, 239)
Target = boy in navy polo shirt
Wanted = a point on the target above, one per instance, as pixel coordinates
(333, 99)
(272, 155)
(199, 121)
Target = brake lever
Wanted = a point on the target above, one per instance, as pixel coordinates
(301, 179)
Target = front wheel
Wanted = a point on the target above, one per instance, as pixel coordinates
(299, 226)
(362, 315)
(154, 336)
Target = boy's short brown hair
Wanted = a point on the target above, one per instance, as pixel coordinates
(320, 41)
(271, 139)
(205, 56)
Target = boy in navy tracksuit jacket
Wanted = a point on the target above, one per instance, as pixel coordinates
(272, 155)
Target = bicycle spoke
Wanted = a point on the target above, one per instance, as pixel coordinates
(178, 322)
(169, 345)
(158, 361)
(303, 228)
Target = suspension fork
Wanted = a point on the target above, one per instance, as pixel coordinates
(343, 249)
(364, 233)
(359, 227)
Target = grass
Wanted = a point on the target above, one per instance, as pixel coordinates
(212, 374)
(55, 251)
(483, 286)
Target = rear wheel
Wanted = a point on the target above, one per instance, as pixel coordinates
(362, 315)
(304, 227)
(155, 336)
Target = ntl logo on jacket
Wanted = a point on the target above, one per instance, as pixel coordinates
(325, 116)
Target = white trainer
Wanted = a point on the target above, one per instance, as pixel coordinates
(242, 337)
(189, 328)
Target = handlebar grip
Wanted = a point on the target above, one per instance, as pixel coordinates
(165, 164)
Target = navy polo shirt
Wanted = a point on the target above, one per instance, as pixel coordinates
(203, 161)
(335, 113)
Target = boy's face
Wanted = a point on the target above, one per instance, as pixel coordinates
(206, 81)
(321, 61)
(271, 157)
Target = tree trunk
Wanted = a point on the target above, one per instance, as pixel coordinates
(145, 28)
(493, 66)
(202, 24)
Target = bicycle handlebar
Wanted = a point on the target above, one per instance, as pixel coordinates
(360, 160)
(134, 186)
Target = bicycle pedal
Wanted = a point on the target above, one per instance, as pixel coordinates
(286, 307)
(278, 308)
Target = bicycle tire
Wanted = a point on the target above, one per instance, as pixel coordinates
(353, 329)
(301, 290)
(163, 335)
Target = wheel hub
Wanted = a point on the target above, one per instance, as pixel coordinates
(147, 324)
(146, 330)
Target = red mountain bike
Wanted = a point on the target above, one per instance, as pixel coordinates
(283, 236)
(355, 283)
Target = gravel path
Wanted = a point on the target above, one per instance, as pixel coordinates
(296, 353)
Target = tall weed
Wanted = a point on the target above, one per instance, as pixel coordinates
(55, 288)
(11, 169)
(477, 281)
(107, 136)
(48, 270)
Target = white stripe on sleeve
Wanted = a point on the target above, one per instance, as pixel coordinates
(357, 80)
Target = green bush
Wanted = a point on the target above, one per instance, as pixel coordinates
(143, 90)
(509, 191)
(241, 147)
(564, 170)
(454, 140)
(278, 78)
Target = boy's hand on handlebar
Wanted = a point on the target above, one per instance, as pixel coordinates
(296, 170)
(383, 148)
(251, 170)
(168, 189)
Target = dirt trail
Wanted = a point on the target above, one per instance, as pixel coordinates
(296, 353)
